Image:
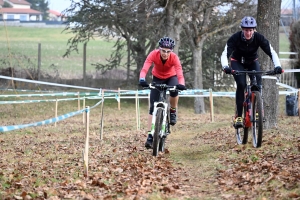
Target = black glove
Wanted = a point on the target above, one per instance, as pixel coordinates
(227, 70)
(278, 70)
(143, 82)
(180, 87)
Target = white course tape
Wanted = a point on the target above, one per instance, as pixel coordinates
(48, 121)
(47, 83)
(288, 87)
(269, 77)
(290, 70)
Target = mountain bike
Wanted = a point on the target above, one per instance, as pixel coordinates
(160, 128)
(253, 112)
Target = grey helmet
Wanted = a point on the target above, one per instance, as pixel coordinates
(248, 22)
(166, 42)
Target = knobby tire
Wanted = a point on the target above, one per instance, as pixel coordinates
(242, 133)
(158, 128)
(257, 124)
(164, 137)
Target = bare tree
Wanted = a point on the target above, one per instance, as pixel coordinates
(268, 16)
(204, 20)
(133, 22)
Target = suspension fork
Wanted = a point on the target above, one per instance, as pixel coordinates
(164, 122)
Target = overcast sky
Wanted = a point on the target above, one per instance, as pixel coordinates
(59, 5)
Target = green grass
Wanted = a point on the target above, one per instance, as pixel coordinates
(20, 45)
(284, 45)
(24, 41)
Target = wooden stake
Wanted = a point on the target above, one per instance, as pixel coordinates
(84, 113)
(211, 101)
(56, 106)
(86, 147)
(78, 101)
(137, 110)
(101, 123)
(119, 102)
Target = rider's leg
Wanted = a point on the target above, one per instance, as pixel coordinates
(255, 66)
(154, 95)
(241, 85)
(149, 122)
(173, 100)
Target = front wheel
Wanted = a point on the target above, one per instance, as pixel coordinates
(257, 119)
(242, 133)
(167, 131)
(157, 131)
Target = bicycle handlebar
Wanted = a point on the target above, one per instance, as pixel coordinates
(161, 87)
(253, 72)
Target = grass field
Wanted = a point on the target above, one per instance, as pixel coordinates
(24, 41)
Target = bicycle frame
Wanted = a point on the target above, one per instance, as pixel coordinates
(164, 107)
(253, 110)
(160, 127)
(161, 104)
(249, 97)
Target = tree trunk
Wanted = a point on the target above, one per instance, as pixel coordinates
(199, 105)
(173, 24)
(268, 16)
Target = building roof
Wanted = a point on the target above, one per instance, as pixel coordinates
(286, 11)
(22, 2)
(19, 11)
(54, 12)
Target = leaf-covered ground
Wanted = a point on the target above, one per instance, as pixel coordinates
(202, 160)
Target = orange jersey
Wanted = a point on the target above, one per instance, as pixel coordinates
(161, 70)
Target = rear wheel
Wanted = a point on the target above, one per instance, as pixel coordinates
(157, 131)
(242, 133)
(257, 123)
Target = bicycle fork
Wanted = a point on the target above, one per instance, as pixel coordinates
(164, 107)
(248, 116)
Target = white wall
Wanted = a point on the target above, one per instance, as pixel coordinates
(21, 6)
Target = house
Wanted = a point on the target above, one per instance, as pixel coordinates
(20, 11)
(288, 16)
(55, 16)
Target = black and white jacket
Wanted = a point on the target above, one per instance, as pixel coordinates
(237, 47)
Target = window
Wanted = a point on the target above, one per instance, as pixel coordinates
(10, 16)
(23, 17)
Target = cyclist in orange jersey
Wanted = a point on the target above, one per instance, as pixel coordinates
(167, 69)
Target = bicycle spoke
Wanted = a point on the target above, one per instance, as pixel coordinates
(257, 119)
(158, 129)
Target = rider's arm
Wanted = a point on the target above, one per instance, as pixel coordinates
(229, 48)
(178, 69)
(268, 49)
(147, 64)
(224, 58)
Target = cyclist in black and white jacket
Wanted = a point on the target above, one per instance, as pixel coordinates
(241, 48)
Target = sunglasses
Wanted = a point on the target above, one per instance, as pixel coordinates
(165, 51)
